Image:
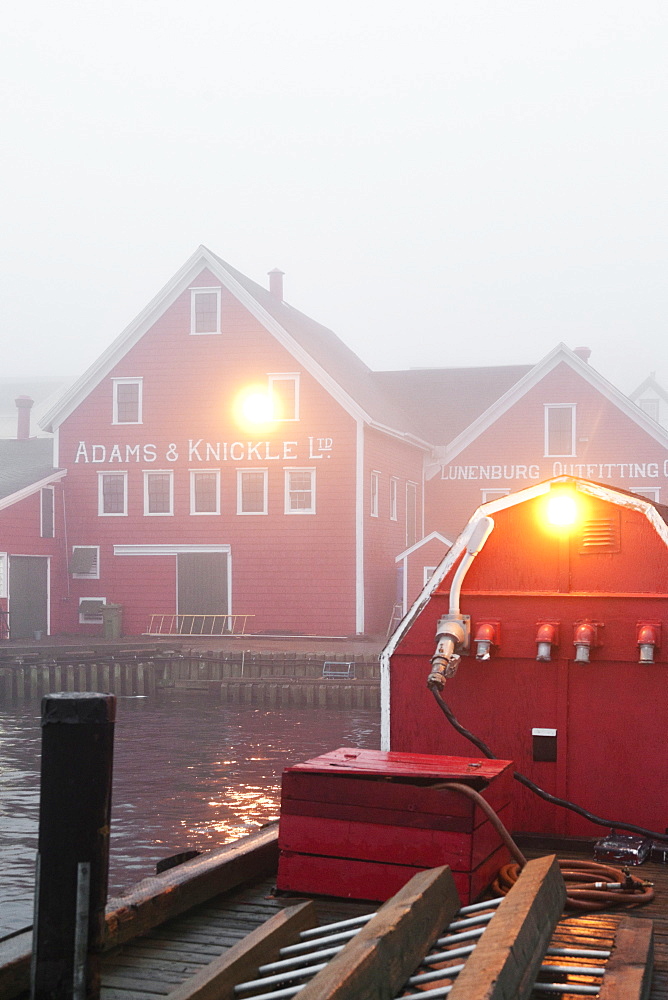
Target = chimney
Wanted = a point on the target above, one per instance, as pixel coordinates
(584, 353)
(276, 283)
(23, 405)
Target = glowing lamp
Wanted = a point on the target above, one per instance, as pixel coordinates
(562, 510)
(257, 408)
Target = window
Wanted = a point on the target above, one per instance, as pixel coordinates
(252, 491)
(650, 407)
(85, 562)
(488, 495)
(90, 610)
(394, 483)
(650, 493)
(112, 496)
(46, 512)
(127, 401)
(559, 430)
(300, 491)
(427, 573)
(204, 310)
(159, 493)
(285, 396)
(411, 514)
(3, 574)
(205, 492)
(373, 500)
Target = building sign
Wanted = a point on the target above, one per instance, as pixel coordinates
(199, 450)
(613, 471)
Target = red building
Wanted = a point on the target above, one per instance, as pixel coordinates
(228, 455)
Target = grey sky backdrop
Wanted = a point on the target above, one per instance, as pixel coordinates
(460, 182)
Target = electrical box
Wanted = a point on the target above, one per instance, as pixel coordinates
(361, 823)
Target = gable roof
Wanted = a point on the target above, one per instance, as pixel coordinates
(651, 384)
(25, 466)
(561, 354)
(315, 347)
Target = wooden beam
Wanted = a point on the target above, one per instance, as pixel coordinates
(240, 962)
(164, 896)
(507, 957)
(628, 972)
(381, 957)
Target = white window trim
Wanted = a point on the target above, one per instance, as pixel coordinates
(654, 490)
(53, 512)
(286, 377)
(4, 564)
(193, 295)
(139, 381)
(414, 486)
(492, 494)
(427, 573)
(100, 494)
(374, 493)
(193, 477)
(559, 406)
(91, 621)
(394, 493)
(265, 503)
(305, 510)
(88, 576)
(159, 472)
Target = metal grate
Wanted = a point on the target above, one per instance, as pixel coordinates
(601, 534)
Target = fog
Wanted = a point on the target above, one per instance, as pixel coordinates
(444, 183)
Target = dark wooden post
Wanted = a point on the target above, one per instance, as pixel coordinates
(73, 846)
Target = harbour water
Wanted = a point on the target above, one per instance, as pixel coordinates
(188, 774)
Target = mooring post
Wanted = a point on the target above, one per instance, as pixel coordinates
(73, 845)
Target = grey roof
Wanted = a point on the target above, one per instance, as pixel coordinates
(23, 463)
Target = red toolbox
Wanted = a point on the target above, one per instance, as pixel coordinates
(361, 823)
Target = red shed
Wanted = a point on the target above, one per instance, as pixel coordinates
(562, 631)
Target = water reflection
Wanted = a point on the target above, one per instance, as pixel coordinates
(188, 774)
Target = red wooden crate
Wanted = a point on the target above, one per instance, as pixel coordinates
(360, 823)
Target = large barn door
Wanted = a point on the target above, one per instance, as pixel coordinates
(201, 587)
(28, 596)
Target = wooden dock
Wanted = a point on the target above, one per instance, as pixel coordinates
(168, 933)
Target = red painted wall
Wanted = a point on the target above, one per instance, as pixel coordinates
(294, 572)
(609, 714)
(510, 454)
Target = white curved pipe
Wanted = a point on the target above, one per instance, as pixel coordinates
(479, 536)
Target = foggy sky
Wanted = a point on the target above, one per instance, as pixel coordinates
(459, 182)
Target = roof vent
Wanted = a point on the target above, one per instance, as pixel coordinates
(584, 353)
(276, 283)
(23, 405)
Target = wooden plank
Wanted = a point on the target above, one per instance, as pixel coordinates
(157, 899)
(628, 973)
(217, 980)
(379, 959)
(506, 960)
(352, 760)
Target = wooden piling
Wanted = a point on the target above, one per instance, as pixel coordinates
(73, 845)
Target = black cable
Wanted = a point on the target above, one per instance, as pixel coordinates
(523, 780)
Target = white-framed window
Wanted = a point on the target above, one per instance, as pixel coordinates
(559, 430)
(3, 574)
(650, 493)
(284, 390)
(300, 491)
(85, 562)
(205, 491)
(90, 610)
(427, 573)
(159, 493)
(47, 527)
(488, 495)
(411, 514)
(650, 407)
(394, 492)
(112, 494)
(127, 400)
(204, 310)
(252, 491)
(373, 495)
